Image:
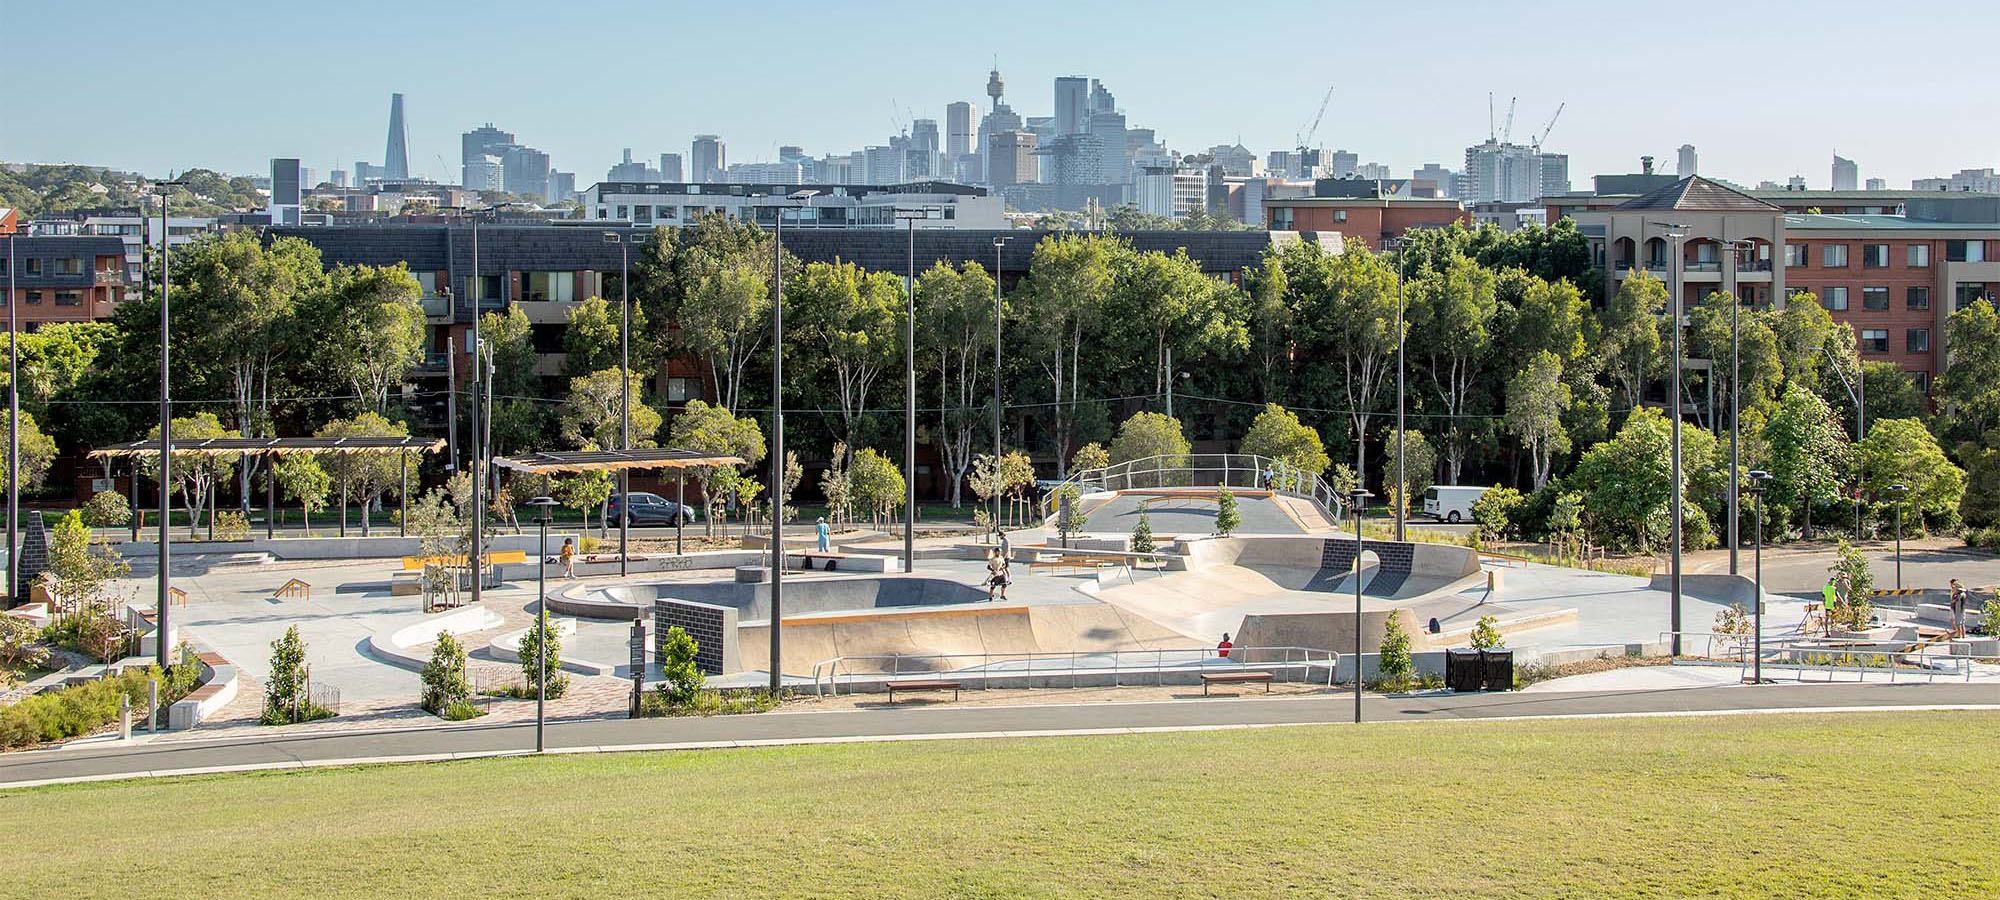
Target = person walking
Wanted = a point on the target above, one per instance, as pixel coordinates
(568, 557)
(1958, 598)
(996, 575)
(825, 534)
(1829, 596)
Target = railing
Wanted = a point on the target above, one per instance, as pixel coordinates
(436, 306)
(1754, 265)
(1074, 664)
(1231, 470)
(1812, 655)
(1131, 558)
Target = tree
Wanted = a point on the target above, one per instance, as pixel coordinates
(56, 356)
(1892, 394)
(1710, 335)
(195, 474)
(955, 336)
(287, 690)
(1803, 329)
(1536, 401)
(1346, 307)
(838, 490)
(1808, 451)
(591, 413)
(305, 481)
(1142, 533)
(1180, 305)
(590, 343)
(681, 677)
(1090, 456)
(1227, 517)
(1627, 485)
(362, 476)
(586, 491)
(447, 692)
(715, 430)
(542, 633)
(38, 452)
(107, 509)
(1419, 467)
(1278, 434)
(1150, 434)
(1069, 281)
(1970, 386)
(518, 423)
(877, 484)
(374, 331)
(1902, 451)
(1485, 636)
(236, 302)
(1394, 662)
(1495, 512)
(1629, 341)
(78, 573)
(1852, 610)
(1980, 505)
(849, 329)
(705, 290)
(1449, 317)
(1270, 325)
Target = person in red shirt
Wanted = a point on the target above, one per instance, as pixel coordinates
(1222, 649)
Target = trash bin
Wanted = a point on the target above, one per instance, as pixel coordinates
(1497, 669)
(1463, 670)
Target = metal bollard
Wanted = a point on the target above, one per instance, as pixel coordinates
(124, 718)
(153, 706)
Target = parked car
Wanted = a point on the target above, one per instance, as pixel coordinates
(653, 509)
(1451, 502)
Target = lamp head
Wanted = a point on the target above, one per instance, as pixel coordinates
(545, 509)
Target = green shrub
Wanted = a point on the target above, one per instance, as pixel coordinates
(683, 679)
(445, 684)
(1227, 517)
(532, 673)
(107, 508)
(1395, 659)
(73, 711)
(706, 703)
(1854, 610)
(1142, 534)
(587, 544)
(232, 526)
(93, 632)
(17, 644)
(1494, 511)
(288, 691)
(1485, 636)
(1991, 615)
(461, 710)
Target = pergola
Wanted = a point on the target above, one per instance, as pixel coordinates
(274, 448)
(571, 461)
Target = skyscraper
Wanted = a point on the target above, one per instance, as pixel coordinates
(479, 153)
(957, 129)
(708, 158)
(1687, 163)
(1846, 175)
(670, 167)
(1072, 103)
(287, 190)
(396, 159)
(923, 150)
(525, 170)
(1011, 158)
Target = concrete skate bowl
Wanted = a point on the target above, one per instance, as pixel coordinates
(753, 601)
(1191, 511)
(1390, 569)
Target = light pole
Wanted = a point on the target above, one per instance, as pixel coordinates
(1402, 480)
(778, 434)
(544, 511)
(14, 427)
(1737, 247)
(163, 651)
(1360, 499)
(1677, 234)
(1757, 479)
(1899, 490)
(998, 242)
(624, 393)
(910, 215)
(1857, 391)
(478, 445)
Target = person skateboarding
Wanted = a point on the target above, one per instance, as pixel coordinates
(996, 575)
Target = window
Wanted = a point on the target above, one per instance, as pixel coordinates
(1833, 256)
(1922, 380)
(1795, 256)
(1340, 215)
(1965, 292)
(69, 266)
(559, 286)
(1834, 299)
(428, 281)
(1874, 256)
(1917, 298)
(624, 211)
(681, 390)
(34, 266)
(642, 214)
(1920, 255)
(1917, 340)
(69, 298)
(1875, 298)
(34, 298)
(664, 213)
(1281, 218)
(1965, 251)
(1875, 340)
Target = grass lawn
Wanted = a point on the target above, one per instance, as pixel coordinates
(1747, 806)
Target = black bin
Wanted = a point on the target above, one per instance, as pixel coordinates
(1497, 669)
(1463, 670)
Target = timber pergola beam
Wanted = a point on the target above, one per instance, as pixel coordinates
(573, 461)
(274, 448)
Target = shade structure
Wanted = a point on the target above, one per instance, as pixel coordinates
(242, 446)
(616, 460)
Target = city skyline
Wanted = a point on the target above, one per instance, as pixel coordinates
(1620, 106)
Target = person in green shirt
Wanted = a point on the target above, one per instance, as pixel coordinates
(1831, 594)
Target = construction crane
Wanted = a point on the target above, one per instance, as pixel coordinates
(1507, 133)
(1491, 135)
(1306, 135)
(896, 116)
(1549, 127)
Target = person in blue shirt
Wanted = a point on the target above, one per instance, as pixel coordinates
(823, 532)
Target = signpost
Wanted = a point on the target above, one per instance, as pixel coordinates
(638, 664)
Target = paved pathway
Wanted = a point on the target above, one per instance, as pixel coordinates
(920, 723)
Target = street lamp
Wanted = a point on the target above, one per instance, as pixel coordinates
(1757, 479)
(909, 216)
(800, 197)
(14, 426)
(1360, 499)
(1402, 480)
(163, 652)
(624, 394)
(1735, 397)
(1677, 233)
(1857, 391)
(544, 512)
(1899, 490)
(998, 242)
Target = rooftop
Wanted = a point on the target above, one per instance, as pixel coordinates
(1697, 194)
(1884, 223)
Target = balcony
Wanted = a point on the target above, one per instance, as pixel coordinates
(434, 362)
(109, 278)
(1754, 265)
(436, 306)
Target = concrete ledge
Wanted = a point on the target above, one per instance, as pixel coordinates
(218, 685)
(708, 559)
(374, 547)
(507, 647)
(394, 645)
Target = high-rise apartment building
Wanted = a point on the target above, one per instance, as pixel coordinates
(1876, 184)
(480, 152)
(1072, 104)
(1010, 158)
(396, 159)
(1846, 175)
(1687, 162)
(1441, 178)
(1982, 181)
(1107, 127)
(708, 158)
(921, 162)
(1511, 173)
(525, 170)
(1344, 164)
(670, 167)
(287, 190)
(957, 129)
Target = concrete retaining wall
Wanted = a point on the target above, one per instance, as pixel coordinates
(217, 687)
(394, 645)
(688, 562)
(377, 547)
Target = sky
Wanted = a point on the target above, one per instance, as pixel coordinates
(1764, 90)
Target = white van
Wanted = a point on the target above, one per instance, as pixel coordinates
(1451, 502)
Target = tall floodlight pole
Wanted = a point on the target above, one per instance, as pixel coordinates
(1857, 391)
(1757, 479)
(163, 646)
(778, 437)
(910, 217)
(476, 557)
(998, 242)
(544, 511)
(1677, 235)
(1736, 248)
(14, 428)
(1402, 479)
(1360, 498)
(624, 393)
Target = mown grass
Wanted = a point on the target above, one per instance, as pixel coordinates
(1795, 806)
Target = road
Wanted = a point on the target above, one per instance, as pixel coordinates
(1801, 569)
(923, 723)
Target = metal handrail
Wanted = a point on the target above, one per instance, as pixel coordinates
(1230, 470)
(1780, 646)
(826, 674)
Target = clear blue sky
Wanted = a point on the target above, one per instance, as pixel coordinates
(1763, 89)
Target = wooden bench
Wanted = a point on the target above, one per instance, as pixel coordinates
(807, 556)
(1208, 678)
(457, 560)
(895, 686)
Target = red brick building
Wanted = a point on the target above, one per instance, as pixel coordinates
(1368, 219)
(61, 278)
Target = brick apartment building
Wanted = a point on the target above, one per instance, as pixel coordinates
(1362, 210)
(62, 278)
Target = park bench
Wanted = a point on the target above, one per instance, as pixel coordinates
(1209, 678)
(933, 685)
(832, 559)
(457, 560)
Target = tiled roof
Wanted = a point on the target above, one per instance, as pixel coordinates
(1697, 194)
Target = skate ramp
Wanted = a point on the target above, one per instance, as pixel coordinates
(801, 595)
(1401, 569)
(1191, 511)
(978, 635)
